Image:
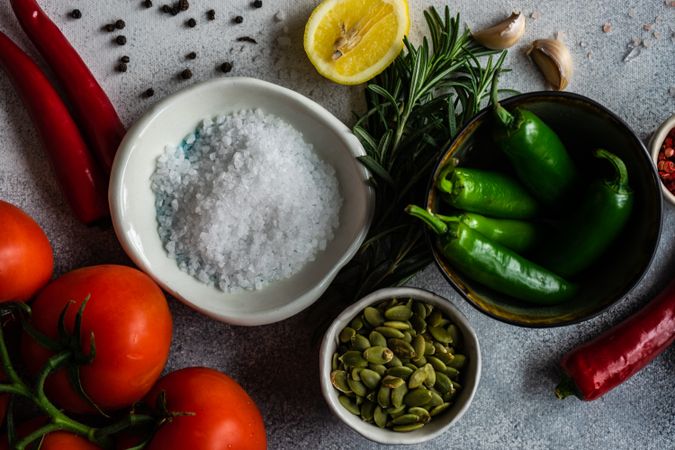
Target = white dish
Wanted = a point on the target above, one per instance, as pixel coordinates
(132, 202)
(438, 424)
(655, 146)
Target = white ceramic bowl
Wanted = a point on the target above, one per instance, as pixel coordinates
(132, 202)
(655, 146)
(440, 423)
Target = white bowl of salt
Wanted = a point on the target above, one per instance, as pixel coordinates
(241, 198)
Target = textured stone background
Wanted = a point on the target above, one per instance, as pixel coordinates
(514, 406)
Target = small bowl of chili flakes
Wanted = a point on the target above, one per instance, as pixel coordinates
(662, 145)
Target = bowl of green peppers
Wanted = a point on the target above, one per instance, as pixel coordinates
(545, 209)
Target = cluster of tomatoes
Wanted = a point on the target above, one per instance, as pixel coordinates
(121, 323)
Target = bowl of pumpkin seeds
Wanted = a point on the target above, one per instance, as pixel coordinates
(400, 366)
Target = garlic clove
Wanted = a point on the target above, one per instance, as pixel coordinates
(554, 61)
(504, 34)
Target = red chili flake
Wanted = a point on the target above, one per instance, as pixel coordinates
(666, 162)
(669, 152)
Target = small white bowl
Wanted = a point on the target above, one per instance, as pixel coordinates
(655, 146)
(440, 423)
(132, 202)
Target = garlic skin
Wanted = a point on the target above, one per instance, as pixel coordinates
(554, 61)
(504, 34)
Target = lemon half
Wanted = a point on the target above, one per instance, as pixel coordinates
(351, 41)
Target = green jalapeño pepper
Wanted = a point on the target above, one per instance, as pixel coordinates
(494, 265)
(485, 192)
(518, 235)
(601, 216)
(536, 153)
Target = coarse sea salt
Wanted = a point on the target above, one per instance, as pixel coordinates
(244, 201)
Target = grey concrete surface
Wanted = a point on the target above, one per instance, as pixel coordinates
(277, 364)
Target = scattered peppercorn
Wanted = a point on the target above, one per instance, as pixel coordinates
(109, 27)
(247, 39)
(186, 74)
(257, 4)
(147, 3)
(183, 5)
(238, 19)
(121, 39)
(125, 59)
(121, 67)
(148, 93)
(226, 67)
(76, 14)
(191, 55)
(166, 9)
(175, 10)
(120, 24)
(211, 14)
(191, 22)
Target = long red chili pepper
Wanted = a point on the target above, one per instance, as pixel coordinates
(81, 180)
(92, 109)
(603, 363)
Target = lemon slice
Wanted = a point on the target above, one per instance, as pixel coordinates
(351, 41)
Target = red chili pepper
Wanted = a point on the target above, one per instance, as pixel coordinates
(92, 109)
(81, 180)
(606, 361)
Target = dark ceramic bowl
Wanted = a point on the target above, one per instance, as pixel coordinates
(583, 125)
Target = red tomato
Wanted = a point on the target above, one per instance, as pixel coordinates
(58, 440)
(222, 415)
(131, 323)
(26, 260)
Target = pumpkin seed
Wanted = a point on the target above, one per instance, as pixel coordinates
(353, 358)
(397, 395)
(441, 335)
(430, 379)
(338, 379)
(405, 428)
(398, 312)
(335, 361)
(376, 339)
(407, 336)
(356, 323)
(417, 397)
(422, 414)
(373, 316)
(346, 334)
(418, 324)
(380, 417)
(370, 378)
(451, 372)
(392, 382)
(417, 378)
(349, 405)
(420, 310)
(395, 412)
(438, 409)
(389, 332)
(401, 372)
(377, 355)
(436, 399)
(437, 364)
(395, 362)
(443, 383)
(418, 345)
(429, 348)
(458, 361)
(379, 368)
(401, 348)
(397, 324)
(383, 396)
(453, 332)
(358, 388)
(367, 411)
(405, 419)
(420, 361)
(435, 319)
(360, 342)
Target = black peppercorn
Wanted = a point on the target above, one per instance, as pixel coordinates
(191, 23)
(174, 10)
(226, 67)
(125, 59)
(121, 67)
(148, 93)
(121, 39)
(166, 9)
(183, 5)
(109, 27)
(186, 74)
(120, 24)
(76, 14)
(147, 3)
(191, 55)
(238, 19)
(211, 14)
(257, 4)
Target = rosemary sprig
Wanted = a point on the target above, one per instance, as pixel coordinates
(414, 110)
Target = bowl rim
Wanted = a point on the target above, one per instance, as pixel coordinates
(614, 117)
(118, 216)
(329, 343)
(655, 142)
